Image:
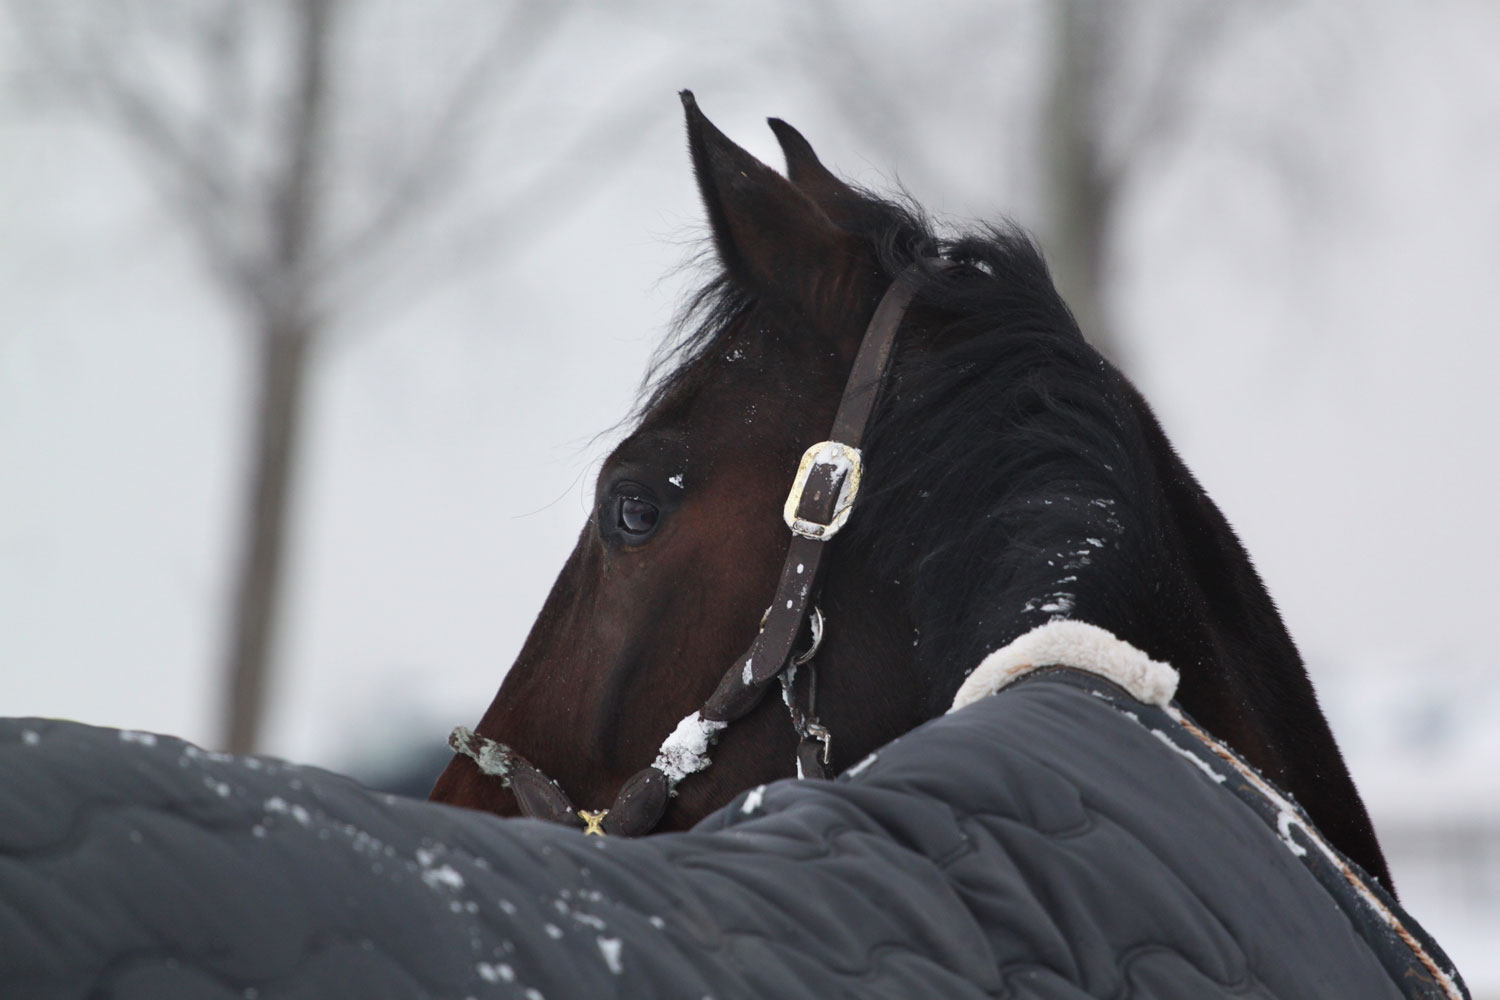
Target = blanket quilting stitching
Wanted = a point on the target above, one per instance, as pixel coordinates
(539, 908)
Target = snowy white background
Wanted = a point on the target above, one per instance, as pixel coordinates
(1317, 329)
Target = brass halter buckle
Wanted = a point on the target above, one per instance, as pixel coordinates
(842, 459)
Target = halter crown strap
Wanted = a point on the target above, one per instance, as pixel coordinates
(744, 684)
(821, 498)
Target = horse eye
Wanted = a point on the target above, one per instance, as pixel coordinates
(637, 517)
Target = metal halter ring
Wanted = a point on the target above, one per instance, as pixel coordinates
(816, 620)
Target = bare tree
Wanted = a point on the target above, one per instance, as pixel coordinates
(1082, 182)
(247, 158)
(1104, 119)
(1110, 94)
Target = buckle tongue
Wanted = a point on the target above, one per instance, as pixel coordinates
(846, 468)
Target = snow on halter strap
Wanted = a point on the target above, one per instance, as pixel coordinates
(682, 753)
(1076, 644)
(685, 752)
(493, 757)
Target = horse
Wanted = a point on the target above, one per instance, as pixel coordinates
(1010, 477)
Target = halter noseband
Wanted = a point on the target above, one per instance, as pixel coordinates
(817, 506)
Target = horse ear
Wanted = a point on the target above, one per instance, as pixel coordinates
(771, 236)
(840, 202)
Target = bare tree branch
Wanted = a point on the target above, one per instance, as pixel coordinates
(867, 100)
(429, 171)
(294, 213)
(1195, 37)
(382, 285)
(194, 182)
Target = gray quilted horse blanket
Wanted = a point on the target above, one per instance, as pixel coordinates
(1056, 840)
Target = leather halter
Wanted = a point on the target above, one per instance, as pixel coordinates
(821, 498)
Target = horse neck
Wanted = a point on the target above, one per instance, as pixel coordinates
(1018, 479)
(1002, 492)
(1242, 676)
(1060, 497)
(1215, 621)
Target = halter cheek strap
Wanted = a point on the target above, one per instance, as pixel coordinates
(818, 505)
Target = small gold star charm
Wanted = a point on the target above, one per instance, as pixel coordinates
(591, 821)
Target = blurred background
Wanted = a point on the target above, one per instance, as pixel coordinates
(311, 314)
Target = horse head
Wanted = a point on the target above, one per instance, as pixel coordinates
(1011, 477)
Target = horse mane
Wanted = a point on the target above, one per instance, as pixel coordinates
(1004, 462)
(1004, 425)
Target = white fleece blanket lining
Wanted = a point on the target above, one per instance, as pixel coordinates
(1064, 643)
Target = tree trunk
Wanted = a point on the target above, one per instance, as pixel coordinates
(1080, 188)
(286, 337)
(281, 378)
